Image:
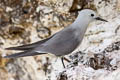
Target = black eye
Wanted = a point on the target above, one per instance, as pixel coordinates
(92, 15)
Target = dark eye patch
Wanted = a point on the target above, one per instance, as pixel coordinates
(92, 15)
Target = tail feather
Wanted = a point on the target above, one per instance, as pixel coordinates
(23, 47)
(23, 54)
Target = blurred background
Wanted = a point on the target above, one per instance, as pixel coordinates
(28, 21)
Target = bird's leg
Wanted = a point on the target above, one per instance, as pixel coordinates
(67, 59)
(62, 59)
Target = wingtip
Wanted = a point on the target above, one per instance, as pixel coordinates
(5, 56)
(10, 48)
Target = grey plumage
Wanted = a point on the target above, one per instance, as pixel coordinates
(28, 46)
(61, 43)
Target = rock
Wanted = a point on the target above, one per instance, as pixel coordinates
(24, 22)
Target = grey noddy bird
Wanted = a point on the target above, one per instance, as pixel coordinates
(61, 43)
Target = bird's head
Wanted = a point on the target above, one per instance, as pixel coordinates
(90, 15)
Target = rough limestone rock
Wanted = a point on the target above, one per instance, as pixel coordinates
(28, 21)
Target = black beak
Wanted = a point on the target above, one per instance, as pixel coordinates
(98, 18)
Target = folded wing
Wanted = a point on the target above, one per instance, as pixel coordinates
(29, 46)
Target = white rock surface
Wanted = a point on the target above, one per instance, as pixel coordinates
(100, 37)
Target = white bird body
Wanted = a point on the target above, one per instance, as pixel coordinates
(63, 42)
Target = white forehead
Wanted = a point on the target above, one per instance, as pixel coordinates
(87, 11)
